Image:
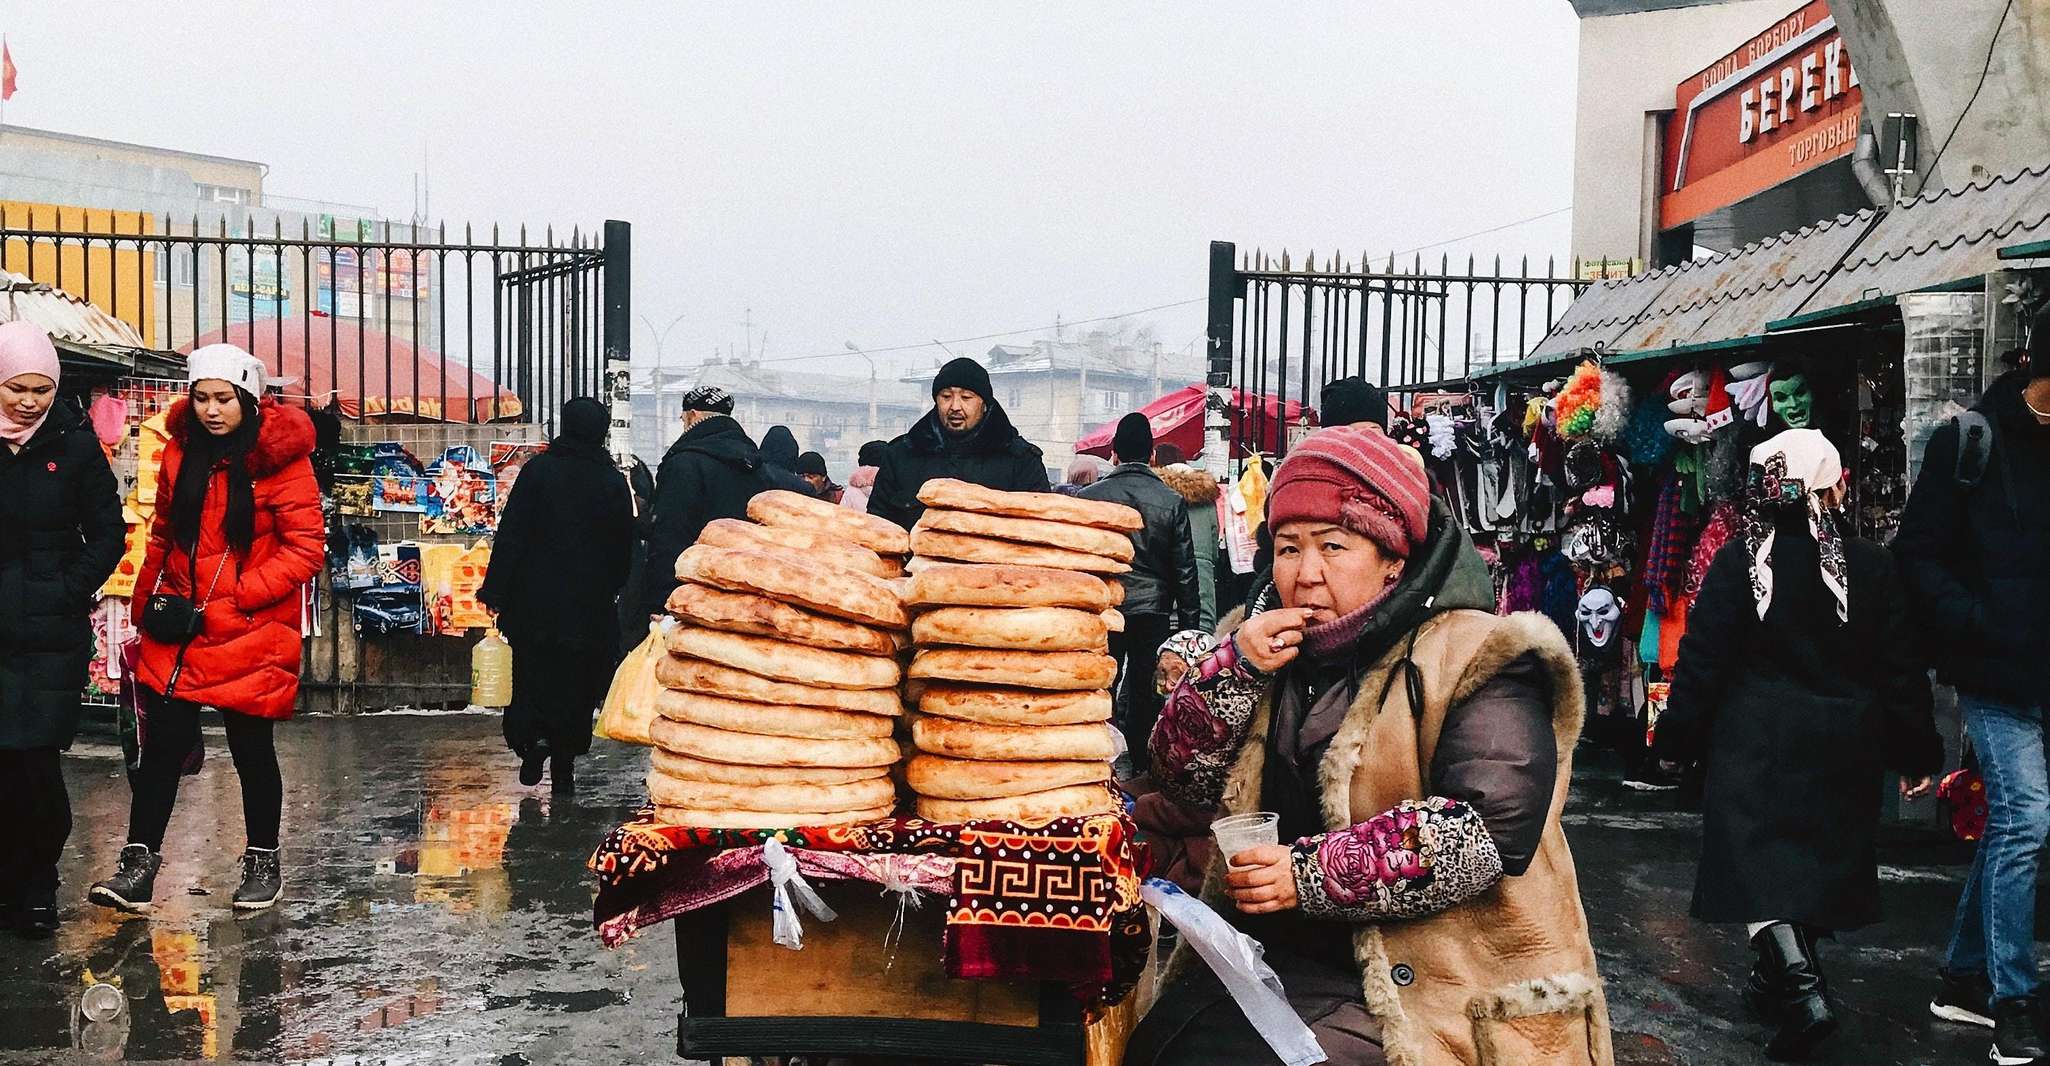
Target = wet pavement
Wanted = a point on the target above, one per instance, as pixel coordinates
(437, 911)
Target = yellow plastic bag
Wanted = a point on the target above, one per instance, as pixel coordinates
(630, 702)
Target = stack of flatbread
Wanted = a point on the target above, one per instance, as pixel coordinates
(1011, 678)
(782, 684)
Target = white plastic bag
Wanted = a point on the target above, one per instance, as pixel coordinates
(787, 882)
(1237, 960)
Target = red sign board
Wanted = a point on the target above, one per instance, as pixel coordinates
(1783, 103)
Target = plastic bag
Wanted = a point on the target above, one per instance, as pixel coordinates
(1236, 959)
(630, 702)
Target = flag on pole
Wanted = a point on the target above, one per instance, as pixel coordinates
(7, 72)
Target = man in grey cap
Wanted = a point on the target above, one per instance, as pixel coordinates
(711, 472)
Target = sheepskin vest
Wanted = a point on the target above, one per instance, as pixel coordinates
(1507, 978)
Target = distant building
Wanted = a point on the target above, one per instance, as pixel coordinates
(828, 413)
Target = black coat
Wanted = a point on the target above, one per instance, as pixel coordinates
(565, 542)
(779, 461)
(61, 535)
(992, 455)
(1797, 717)
(1163, 577)
(709, 473)
(1978, 559)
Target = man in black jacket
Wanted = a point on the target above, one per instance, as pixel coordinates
(966, 436)
(1161, 593)
(1974, 546)
(711, 472)
(779, 461)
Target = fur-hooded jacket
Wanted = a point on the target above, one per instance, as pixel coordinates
(1202, 492)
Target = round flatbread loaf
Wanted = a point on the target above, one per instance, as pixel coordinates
(1090, 742)
(750, 749)
(770, 720)
(1033, 808)
(1012, 706)
(938, 584)
(782, 661)
(954, 495)
(668, 791)
(1113, 620)
(696, 675)
(1017, 628)
(1105, 542)
(746, 612)
(739, 819)
(790, 510)
(962, 548)
(1117, 591)
(1062, 671)
(824, 549)
(689, 769)
(971, 779)
(784, 577)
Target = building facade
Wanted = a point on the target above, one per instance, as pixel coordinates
(828, 413)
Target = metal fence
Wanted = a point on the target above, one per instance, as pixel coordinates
(1283, 330)
(389, 321)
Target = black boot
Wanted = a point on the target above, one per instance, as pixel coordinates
(1788, 989)
(2017, 1036)
(530, 769)
(262, 880)
(133, 883)
(562, 775)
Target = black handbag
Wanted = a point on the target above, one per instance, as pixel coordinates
(174, 619)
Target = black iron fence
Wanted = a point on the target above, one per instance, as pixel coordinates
(386, 321)
(1284, 329)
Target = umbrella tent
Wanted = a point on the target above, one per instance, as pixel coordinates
(1177, 419)
(368, 373)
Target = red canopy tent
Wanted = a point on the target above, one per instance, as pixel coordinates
(337, 357)
(1177, 419)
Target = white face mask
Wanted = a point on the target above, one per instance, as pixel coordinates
(1599, 614)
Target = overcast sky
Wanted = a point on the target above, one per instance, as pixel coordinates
(882, 173)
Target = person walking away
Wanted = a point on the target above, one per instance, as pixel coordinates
(1974, 546)
(1799, 686)
(966, 436)
(61, 538)
(564, 543)
(711, 472)
(864, 477)
(779, 461)
(1200, 491)
(1081, 474)
(811, 466)
(1161, 595)
(239, 538)
(1422, 907)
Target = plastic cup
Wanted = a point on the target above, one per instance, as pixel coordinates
(102, 1002)
(1241, 831)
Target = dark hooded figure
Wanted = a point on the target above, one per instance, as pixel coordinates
(966, 436)
(779, 461)
(565, 541)
(1350, 401)
(709, 473)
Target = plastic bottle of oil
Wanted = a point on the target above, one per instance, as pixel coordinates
(491, 667)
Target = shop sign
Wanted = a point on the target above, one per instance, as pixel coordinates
(1783, 103)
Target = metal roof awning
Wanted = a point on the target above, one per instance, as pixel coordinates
(88, 339)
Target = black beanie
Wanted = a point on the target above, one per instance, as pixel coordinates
(585, 421)
(962, 373)
(872, 453)
(1133, 442)
(811, 463)
(1348, 401)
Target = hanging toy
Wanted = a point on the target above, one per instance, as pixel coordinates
(1444, 435)
(1579, 401)
(1749, 391)
(1599, 613)
(1613, 414)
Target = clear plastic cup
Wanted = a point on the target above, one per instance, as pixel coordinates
(102, 1002)
(1241, 831)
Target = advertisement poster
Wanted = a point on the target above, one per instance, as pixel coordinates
(256, 284)
(462, 494)
(396, 481)
(507, 457)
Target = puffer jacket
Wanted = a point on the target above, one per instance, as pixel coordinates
(248, 658)
(992, 455)
(1163, 577)
(1201, 491)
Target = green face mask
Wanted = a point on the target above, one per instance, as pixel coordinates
(1793, 401)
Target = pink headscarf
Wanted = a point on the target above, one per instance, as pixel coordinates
(24, 349)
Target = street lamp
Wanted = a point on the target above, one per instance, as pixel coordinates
(661, 336)
(856, 349)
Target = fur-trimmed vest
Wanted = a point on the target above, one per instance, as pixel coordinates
(1507, 978)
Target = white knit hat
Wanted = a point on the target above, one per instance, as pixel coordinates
(225, 362)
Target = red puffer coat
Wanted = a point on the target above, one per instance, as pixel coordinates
(248, 658)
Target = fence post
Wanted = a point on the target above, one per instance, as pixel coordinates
(619, 335)
(1223, 290)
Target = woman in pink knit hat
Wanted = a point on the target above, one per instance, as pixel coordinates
(1420, 905)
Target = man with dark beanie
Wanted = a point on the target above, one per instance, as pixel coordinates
(1350, 401)
(966, 436)
(1974, 546)
(1162, 595)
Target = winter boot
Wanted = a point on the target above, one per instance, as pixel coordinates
(562, 775)
(1788, 989)
(2017, 1036)
(531, 768)
(262, 880)
(133, 883)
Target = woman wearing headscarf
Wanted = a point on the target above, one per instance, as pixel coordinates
(1421, 907)
(60, 539)
(218, 605)
(565, 542)
(1799, 685)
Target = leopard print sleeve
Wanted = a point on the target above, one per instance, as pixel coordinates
(1414, 860)
(1203, 725)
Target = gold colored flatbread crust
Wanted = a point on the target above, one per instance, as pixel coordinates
(783, 577)
(749, 749)
(689, 769)
(668, 791)
(785, 509)
(961, 548)
(938, 584)
(757, 615)
(1063, 671)
(696, 675)
(1012, 628)
(1091, 742)
(821, 548)
(1032, 809)
(953, 495)
(1105, 542)
(770, 720)
(738, 819)
(967, 779)
(782, 661)
(1012, 706)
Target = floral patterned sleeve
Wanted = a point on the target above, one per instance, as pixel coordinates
(1417, 859)
(1203, 725)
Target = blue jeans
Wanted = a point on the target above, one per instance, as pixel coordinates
(1995, 929)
